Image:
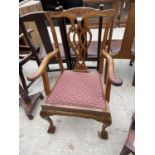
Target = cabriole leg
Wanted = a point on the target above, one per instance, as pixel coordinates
(51, 128)
(104, 133)
(106, 123)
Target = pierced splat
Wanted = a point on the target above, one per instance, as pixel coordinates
(79, 34)
(80, 37)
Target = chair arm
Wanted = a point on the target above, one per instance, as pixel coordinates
(43, 65)
(115, 81)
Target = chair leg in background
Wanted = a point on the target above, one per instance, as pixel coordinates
(133, 81)
(131, 61)
(125, 151)
(28, 102)
(22, 79)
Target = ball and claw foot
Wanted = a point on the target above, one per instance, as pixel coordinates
(103, 134)
(30, 116)
(51, 129)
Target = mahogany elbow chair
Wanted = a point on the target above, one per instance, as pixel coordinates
(78, 92)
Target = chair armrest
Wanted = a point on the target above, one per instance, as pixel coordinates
(43, 65)
(115, 81)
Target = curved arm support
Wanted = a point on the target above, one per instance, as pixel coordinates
(43, 65)
(115, 81)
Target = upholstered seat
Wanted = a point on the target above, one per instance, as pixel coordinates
(79, 89)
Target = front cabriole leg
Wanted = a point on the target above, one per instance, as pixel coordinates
(44, 114)
(106, 122)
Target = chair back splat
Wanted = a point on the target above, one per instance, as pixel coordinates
(79, 34)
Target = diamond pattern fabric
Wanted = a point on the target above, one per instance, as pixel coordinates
(78, 89)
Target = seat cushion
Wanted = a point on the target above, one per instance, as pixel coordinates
(78, 89)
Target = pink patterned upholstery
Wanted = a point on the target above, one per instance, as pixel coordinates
(78, 89)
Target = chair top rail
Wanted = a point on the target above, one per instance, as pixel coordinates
(84, 12)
